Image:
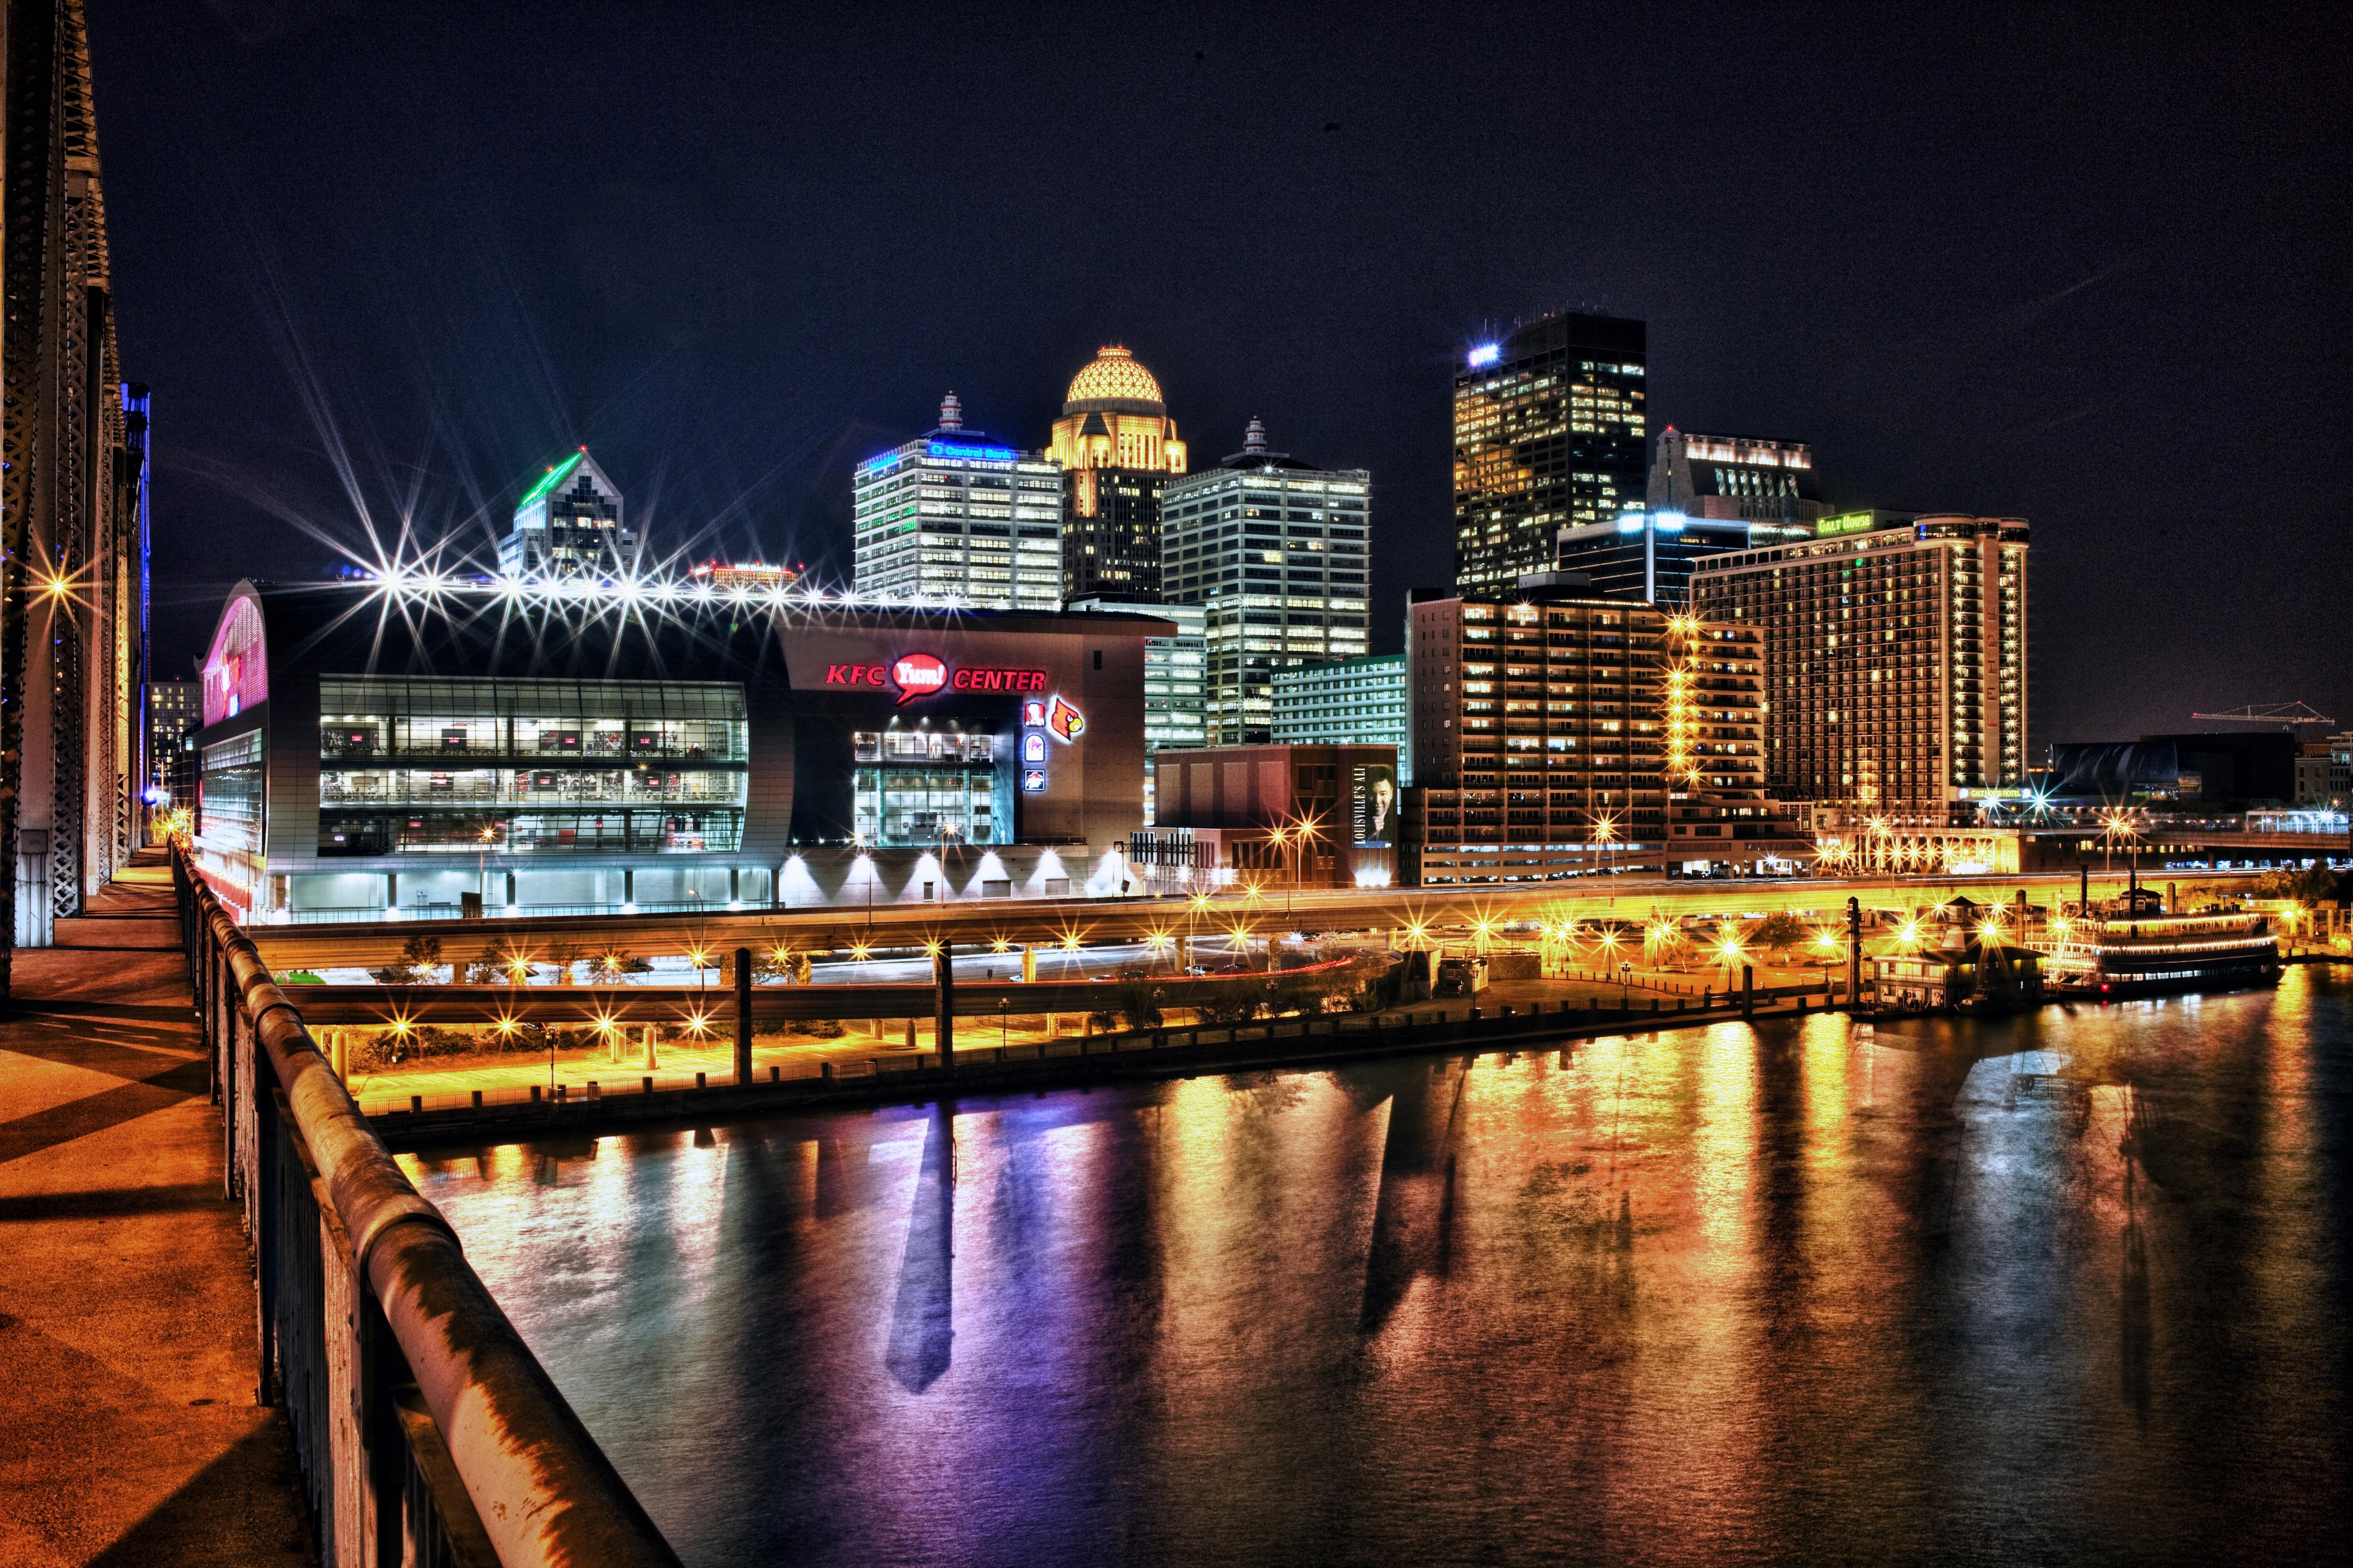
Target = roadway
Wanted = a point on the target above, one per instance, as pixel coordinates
(1007, 925)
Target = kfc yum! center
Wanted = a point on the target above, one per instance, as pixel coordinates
(372, 752)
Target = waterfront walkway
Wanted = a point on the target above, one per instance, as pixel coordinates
(129, 1433)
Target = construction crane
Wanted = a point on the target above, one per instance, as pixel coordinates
(2270, 713)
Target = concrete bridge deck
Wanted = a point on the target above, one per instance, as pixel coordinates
(130, 1432)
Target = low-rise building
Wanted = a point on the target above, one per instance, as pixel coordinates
(563, 753)
(1305, 815)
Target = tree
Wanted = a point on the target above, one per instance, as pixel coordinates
(2318, 885)
(1778, 932)
(419, 957)
(502, 965)
(1138, 1002)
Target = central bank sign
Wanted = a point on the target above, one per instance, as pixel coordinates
(915, 675)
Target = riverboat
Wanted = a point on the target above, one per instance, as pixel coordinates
(2139, 955)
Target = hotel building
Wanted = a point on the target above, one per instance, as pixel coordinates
(1537, 735)
(1549, 433)
(1276, 552)
(1894, 663)
(1116, 446)
(953, 518)
(1720, 814)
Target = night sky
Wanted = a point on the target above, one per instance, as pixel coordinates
(2086, 266)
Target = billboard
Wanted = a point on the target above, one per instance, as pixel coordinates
(1372, 804)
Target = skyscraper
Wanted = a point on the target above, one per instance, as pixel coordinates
(953, 517)
(1894, 663)
(1707, 494)
(1116, 444)
(569, 525)
(1719, 812)
(1276, 551)
(1549, 433)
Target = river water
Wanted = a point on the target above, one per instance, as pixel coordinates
(2072, 1288)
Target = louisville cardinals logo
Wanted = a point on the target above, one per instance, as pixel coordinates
(1065, 721)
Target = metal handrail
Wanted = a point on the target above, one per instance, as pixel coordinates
(543, 1492)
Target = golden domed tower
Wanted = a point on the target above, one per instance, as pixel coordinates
(1113, 419)
(1116, 444)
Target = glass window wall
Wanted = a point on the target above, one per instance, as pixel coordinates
(415, 763)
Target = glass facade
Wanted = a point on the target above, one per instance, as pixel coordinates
(229, 814)
(1351, 701)
(1549, 433)
(1278, 560)
(929, 787)
(527, 766)
(955, 518)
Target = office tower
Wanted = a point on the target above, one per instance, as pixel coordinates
(569, 525)
(175, 711)
(1176, 691)
(1275, 550)
(1536, 735)
(954, 518)
(1116, 444)
(1719, 812)
(1894, 663)
(1549, 433)
(1707, 494)
(1348, 701)
(1738, 478)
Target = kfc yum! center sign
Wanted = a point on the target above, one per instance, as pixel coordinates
(919, 675)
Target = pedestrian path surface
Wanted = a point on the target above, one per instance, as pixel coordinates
(129, 1432)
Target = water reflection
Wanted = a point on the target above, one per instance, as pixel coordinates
(2067, 1287)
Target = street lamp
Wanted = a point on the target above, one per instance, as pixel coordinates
(482, 842)
(1625, 985)
(1605, 831)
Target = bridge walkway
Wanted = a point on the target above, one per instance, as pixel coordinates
(129, 1432)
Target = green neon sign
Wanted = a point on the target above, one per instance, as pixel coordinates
(555, 476)
(1853, 523)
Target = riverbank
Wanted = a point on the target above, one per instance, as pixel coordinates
(644, 1102)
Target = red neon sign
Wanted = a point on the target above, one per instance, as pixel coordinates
(926, 675)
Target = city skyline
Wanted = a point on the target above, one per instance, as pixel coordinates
(2121, 384)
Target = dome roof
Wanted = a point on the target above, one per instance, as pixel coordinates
(1115, 383)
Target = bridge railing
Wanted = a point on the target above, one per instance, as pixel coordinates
(427, 1431)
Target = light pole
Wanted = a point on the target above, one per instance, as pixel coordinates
(1625, 985)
